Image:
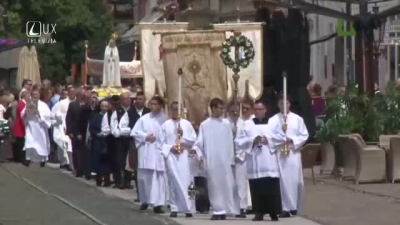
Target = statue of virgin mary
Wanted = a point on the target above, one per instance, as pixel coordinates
(111, 70)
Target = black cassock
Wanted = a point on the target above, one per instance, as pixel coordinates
(99, 155)
(265, 192)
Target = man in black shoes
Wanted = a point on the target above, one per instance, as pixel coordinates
(262, 164)
(122, 122)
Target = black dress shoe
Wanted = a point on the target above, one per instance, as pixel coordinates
(189, 215)
(242, 214)
(42, 164)
(293, 212)
(215, 217)
(274, 217)
(158, 210)
(68, 168)
(173, 215)
(118, 186)
(27, 163)
(144, 207)
(258, 217)
(284, 214)
(128, 186)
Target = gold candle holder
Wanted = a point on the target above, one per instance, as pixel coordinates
(285, 149)
(179, 144)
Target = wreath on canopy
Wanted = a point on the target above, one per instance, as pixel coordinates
(238, 41)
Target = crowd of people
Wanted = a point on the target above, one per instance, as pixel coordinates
(233, 159)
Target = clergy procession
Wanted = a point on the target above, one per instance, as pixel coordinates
(237, 162)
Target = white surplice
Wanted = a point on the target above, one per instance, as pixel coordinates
(291, 181)
(177, 165)
(61, 112)
(214, 145)
(240, 169)
(151, 164)
(262, 161)
(37, 142)
(58, 130)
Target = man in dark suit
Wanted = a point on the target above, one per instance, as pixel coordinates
(140, 109)
(88, 110)
(74, 131)
(122, 121)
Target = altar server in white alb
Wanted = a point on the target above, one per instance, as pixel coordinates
(151, 166)
(38, 117)
(292, 184)
(262, 164)
(240, 168)
(177, 160)
(64, 148)
(214, 145)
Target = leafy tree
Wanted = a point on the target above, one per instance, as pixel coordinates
(76, 21)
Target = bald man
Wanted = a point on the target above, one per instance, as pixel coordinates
(123, 120)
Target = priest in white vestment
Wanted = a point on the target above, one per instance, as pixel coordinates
(37, 117)
(292, 184)
(62, 140)
(111, 70)
(214, 145)
(177, 162)
(262, 164)
(151, 165)
(59, 137)
(240, 168)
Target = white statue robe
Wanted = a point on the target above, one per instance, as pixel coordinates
(214, 145)
(291, 181)
(111, 70)
(37, 142)
(177, 165)
(240, 169)
(151, 166)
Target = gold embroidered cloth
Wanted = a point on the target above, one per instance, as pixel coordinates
(204, 74)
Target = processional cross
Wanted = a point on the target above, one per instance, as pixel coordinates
(240, 44)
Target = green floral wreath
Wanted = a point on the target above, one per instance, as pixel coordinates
(237, 41)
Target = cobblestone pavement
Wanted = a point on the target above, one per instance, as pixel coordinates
(67, 200)
(334, 202)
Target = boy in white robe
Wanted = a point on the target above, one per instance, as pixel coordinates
(291, 181)
(37, 117)
(177, 162)
(151, 167)
(240, 168)
(214, 145)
